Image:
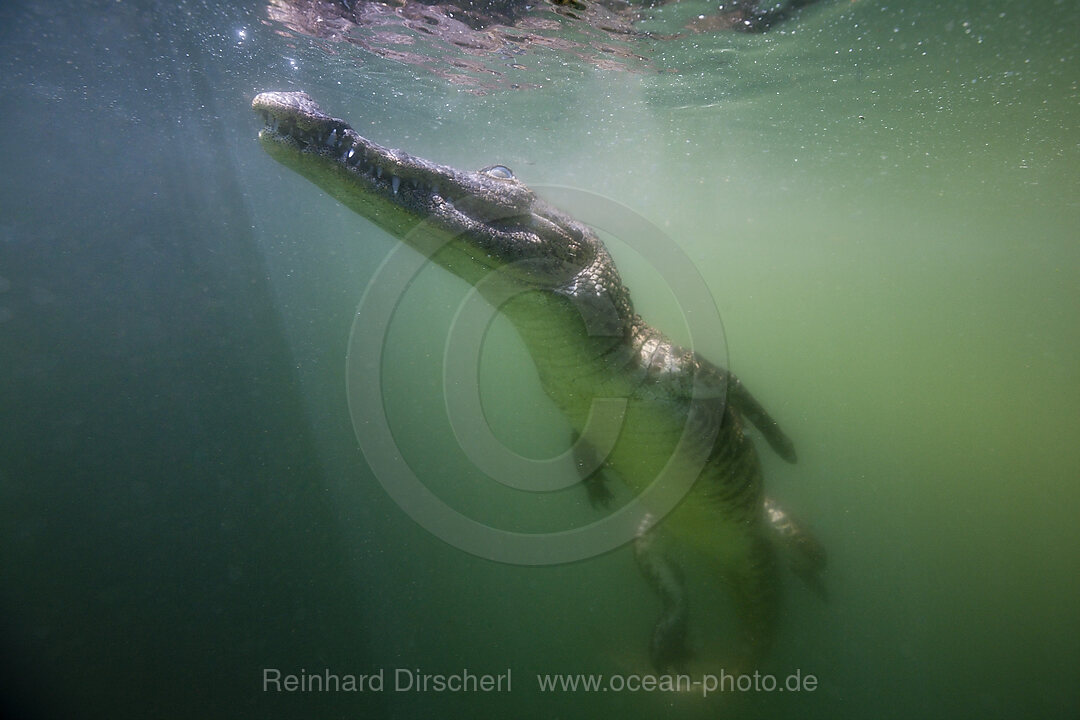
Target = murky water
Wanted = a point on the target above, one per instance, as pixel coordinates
(881, 198)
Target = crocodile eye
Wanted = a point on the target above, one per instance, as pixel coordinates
(499, 171)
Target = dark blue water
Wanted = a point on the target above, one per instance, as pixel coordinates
(881, 200)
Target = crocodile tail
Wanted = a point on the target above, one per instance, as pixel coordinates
(804, 553)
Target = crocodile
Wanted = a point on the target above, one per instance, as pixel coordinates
(576, 320)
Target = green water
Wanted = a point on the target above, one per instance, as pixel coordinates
(882, 199)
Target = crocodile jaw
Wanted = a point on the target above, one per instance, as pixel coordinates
(487, 218)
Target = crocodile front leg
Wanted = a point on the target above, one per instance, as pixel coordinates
(600, 495)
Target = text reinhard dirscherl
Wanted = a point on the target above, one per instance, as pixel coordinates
(399, 680)
(415, 680)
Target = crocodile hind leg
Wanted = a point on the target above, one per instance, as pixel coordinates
(804, 553)
(754, 584)
(667, 644)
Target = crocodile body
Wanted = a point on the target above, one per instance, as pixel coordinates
(578, 323)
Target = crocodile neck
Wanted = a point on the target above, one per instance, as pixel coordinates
(566, 298)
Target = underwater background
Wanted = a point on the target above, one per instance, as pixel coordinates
(883, 198)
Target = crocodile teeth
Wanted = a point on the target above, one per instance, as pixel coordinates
(395, 182)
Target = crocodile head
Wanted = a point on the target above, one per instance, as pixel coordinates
(471, 222)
